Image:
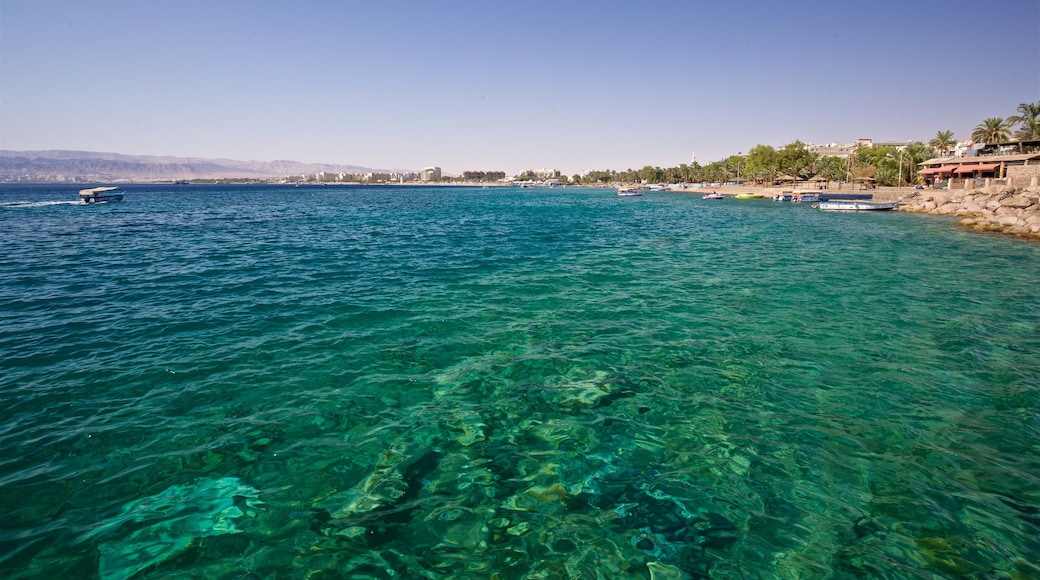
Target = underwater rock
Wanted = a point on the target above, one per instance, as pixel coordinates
(550, 499)
(171, 521)
(560, 434)
(659, 571)
(366, 511)
(470, 425)
(597, 391)
(381, 488)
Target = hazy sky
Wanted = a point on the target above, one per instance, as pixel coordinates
(504, 85)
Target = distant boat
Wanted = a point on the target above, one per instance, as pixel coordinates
(100, 195)
(629, 191)
(713, 195)
(749, 196)
(856, 205)
(802, 196)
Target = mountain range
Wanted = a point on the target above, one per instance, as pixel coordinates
(90, 166)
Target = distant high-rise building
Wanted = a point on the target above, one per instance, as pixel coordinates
(431, 174)
(544, 173)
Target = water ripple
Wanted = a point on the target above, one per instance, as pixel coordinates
(537, 383)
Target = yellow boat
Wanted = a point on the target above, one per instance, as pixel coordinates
(749, 196)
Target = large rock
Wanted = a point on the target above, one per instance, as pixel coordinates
(1009, 211)
(1017, 201)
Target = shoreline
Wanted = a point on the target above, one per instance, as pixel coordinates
(1002, 210)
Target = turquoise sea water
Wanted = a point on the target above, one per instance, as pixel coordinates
(384, 382)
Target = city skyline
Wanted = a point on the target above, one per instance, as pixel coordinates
(464, 86)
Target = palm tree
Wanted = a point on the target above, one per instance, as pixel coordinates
(917, 152)
(1028, 131)
(943, 142)
(992, 130)
(1028, 121)
(1027, 113)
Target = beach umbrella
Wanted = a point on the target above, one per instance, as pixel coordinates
(820, 179)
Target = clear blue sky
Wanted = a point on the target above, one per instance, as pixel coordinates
(504, 85)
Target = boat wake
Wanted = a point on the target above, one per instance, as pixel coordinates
(38, 203)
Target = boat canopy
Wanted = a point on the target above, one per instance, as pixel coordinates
(95, 190)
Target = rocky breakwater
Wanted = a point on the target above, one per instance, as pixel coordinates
(1013, 211)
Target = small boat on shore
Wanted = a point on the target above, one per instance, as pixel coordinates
(856, 205)
(799, 196)
(713, 195)
(100, 195)
(629, 191)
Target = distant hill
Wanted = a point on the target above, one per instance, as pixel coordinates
(95, 167)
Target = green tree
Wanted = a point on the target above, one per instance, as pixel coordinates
(1027, 117)
(715, 172)
(872, 156)
(915, 153)
(943, 142)
(992, 130)
(1028, 130)
(881, 163)
(796, 160)
(831, 168)
(886, 173)
(762, 163)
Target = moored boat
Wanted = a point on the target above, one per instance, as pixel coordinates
(856, 205)
(100, 194)
(629, 191)
(846, 196)
(800, 196)
(749, 196)
(713, 195)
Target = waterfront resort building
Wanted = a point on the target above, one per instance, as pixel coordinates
(846, 150)
(431, 174)
(544, 173)
(970, 171)
(483, 175)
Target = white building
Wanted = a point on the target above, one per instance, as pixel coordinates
(842, 150)
(544, 173)
(431, 174)
(966, 147)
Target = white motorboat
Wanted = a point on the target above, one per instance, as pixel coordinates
(856, 205)
(629, 191)
(713, 195)
(100, 194)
